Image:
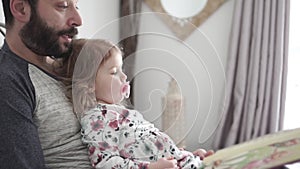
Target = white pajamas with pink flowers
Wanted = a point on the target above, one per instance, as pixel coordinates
(121, 138)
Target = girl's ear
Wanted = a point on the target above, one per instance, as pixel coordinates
(20, 9)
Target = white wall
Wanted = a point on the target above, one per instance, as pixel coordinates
(197, 64)
(100, 19)
(1, 20)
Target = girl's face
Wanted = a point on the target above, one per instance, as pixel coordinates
(110, 80)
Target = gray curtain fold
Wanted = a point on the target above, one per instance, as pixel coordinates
(129, 29)
(130, 25)
(256, 71)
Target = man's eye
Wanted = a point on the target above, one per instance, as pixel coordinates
(114, 73)
(63, 5)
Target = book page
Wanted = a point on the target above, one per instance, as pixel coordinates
(264, 152)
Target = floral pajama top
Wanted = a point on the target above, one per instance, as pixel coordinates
(121, 138)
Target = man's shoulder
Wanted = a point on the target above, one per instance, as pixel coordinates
(16, 87)
(14, 73)
(12, 67)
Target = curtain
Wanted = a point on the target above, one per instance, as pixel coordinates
(129, 29)
(256, 72)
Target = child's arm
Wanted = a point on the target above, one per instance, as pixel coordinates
(108, 160)
(163, 163)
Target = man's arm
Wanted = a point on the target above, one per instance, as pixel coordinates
(20, 145)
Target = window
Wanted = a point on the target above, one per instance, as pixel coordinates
(292, 109)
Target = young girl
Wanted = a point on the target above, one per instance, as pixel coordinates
(117, 137)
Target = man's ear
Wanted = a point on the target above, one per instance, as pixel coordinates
(20, 9)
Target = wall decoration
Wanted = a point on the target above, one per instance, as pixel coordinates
(184, 16)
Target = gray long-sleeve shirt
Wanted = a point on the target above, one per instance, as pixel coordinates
(38, 128)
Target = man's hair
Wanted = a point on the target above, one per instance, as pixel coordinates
(9, 19)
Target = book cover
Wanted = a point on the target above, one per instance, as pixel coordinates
(268, 151)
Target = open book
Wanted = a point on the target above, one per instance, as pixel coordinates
(267, 151)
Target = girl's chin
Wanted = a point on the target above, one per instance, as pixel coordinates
(118, 100)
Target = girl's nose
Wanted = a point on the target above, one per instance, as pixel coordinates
(123, 77)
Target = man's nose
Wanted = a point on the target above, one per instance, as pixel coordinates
(75, 18)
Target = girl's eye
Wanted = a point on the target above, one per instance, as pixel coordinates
(114, 72)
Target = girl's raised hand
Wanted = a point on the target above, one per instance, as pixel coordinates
(201, 153)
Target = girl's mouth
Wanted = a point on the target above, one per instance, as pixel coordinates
(125, 90)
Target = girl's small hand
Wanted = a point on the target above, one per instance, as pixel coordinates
(201, 153)
(164, 163)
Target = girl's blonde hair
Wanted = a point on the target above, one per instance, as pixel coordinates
(80, 69)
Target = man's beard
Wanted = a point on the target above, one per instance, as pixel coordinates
(43, 39)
